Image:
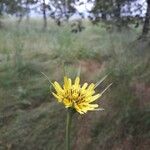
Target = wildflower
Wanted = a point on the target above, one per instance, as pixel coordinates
(75, 96)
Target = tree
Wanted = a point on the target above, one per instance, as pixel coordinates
(9, 7)
(25, 4)
(146, 25)
(115, 11)
(61, 9)
(44, 6)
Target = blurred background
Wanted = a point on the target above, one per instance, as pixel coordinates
(103, 38)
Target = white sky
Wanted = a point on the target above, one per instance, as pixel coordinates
(81, 8)
(88, 6)
(134, 8)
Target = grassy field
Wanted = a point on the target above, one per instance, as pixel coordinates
(30, 118)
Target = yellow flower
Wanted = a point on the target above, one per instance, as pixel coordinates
(75, 96)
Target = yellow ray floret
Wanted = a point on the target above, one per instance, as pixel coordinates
(76, 96)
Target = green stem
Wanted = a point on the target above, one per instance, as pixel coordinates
(68, 128)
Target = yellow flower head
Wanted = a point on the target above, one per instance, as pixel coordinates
(75, 96)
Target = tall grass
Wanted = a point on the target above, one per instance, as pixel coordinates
(30, 117)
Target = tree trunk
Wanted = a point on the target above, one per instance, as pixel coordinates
(147, 20)
(0, 24)
(118, 11)
(117, 14)
(27, 11)
(67, 9)
(44, 15)
(20, 18)
(104, 18)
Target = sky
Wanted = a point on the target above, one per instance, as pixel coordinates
(134, 6)
(81, 8)
(88, 6)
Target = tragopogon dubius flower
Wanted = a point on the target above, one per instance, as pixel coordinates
(75, 96)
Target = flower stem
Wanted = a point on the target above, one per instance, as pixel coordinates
(68, 128)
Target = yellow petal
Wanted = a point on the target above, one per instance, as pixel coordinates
(69, 83)
(77, 81)
(89, 93)
(57, 87)
(93, 105)
(57, 97)
(87, 107)
(66, 83)
(78, 109)
(84, 86)
(91, 87)
(83, 107)
(93, 98)
(67, 103)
